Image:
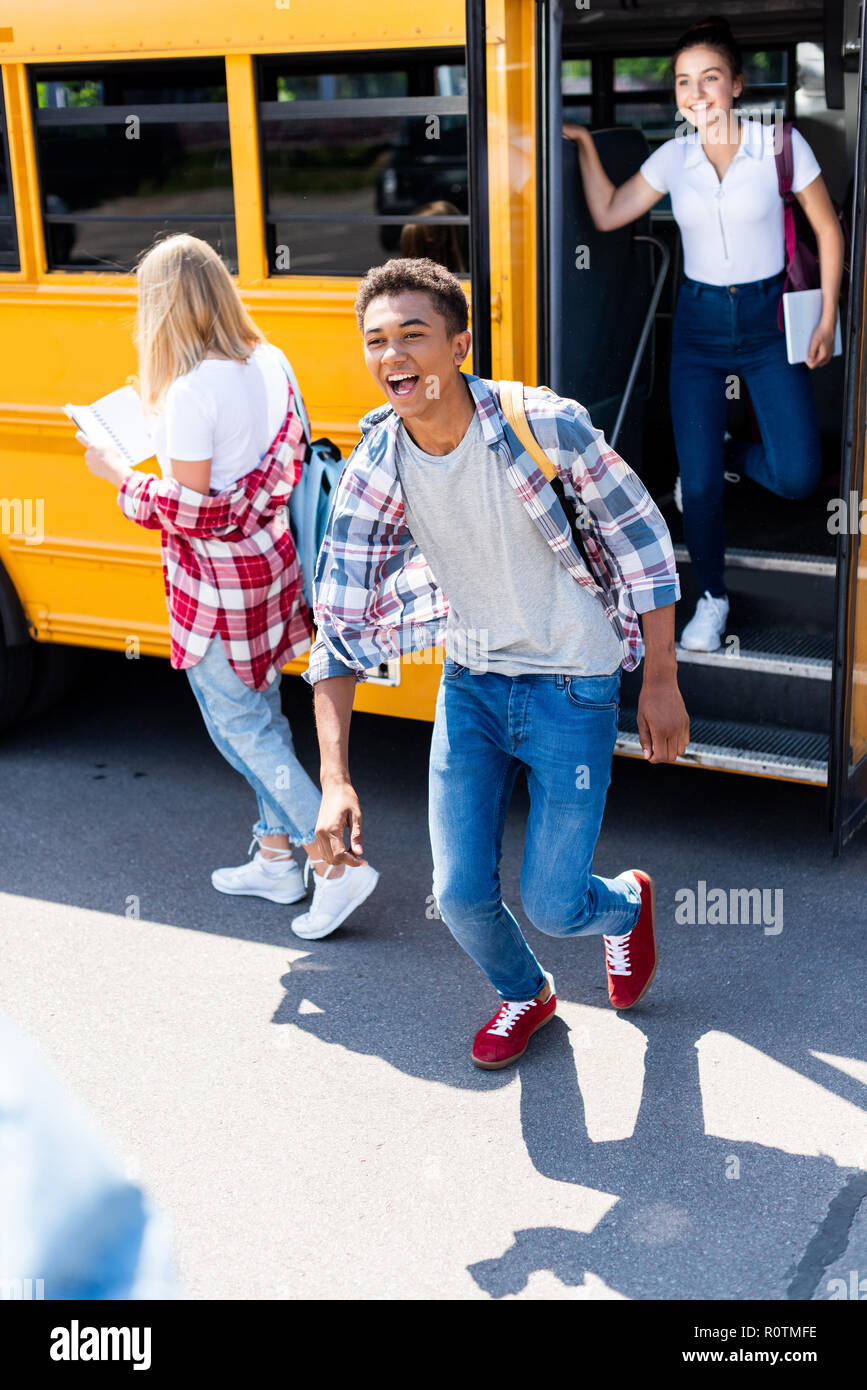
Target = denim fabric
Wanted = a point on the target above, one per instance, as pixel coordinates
(721, 331)
(561, 730)
(73, 1224)
(253, 735)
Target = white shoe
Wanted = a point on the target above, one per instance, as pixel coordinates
(253, 880)
(704, 631)
(334, 899)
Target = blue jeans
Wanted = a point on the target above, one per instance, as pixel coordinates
(561, 729)
(723, 331)
(253, 735)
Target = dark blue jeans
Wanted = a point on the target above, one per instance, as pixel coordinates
(722, 332)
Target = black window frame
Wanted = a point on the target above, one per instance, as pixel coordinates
(204, 111)
(10, 217)
(391, 59)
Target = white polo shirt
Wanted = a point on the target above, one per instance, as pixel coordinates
(732, 229)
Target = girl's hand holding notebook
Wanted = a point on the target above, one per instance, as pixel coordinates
(116, 421)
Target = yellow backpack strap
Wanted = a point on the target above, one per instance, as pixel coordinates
(512, 401)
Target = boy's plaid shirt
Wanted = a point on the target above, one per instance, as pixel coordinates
(376, 598)
(229, 561)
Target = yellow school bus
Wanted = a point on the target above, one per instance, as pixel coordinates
(303, 140)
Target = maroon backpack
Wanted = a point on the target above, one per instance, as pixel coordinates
(802, 253)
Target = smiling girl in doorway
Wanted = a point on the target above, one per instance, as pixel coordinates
(720, 171)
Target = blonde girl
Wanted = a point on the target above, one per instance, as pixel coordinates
(230, 443)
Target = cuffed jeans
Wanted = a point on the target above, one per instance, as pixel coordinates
(561, 729)
(253, 735)
(721, 332)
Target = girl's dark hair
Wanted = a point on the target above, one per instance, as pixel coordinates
(713, 32)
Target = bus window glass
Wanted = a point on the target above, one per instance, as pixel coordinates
(644, 91)
(642, 74)
(8, 239)
(577, 86)
(810, 89)
(130, 150)
(364, 163)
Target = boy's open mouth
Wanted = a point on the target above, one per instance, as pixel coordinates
(402, 383)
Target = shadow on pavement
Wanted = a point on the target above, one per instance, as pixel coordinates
(119, 792)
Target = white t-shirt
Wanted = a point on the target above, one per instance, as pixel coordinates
(732, 229)
(225, 411)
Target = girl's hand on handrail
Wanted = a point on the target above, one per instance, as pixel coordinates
(578, 133)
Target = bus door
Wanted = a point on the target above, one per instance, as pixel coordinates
(847, 782)
(761, 704)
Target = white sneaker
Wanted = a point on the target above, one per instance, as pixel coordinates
(704, 631)
(254, 880)
(334, 899)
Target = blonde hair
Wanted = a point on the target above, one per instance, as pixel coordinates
(187, 307)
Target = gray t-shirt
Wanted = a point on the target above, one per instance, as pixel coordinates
(513, 607)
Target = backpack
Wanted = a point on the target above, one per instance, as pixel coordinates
(802, 253)
(310, 501)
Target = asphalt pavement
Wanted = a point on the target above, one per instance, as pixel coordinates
(306, 1113)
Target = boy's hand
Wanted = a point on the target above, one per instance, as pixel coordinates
(663, 723)
(338, 812)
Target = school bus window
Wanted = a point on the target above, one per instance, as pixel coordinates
(8, 238)
(641, 74)
(810, 88)
(577, 89)
(364, 163)
(129, 149)
(644, 92)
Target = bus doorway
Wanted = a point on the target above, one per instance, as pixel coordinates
(781, 695)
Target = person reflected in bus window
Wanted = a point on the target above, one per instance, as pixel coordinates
(229, 439)
(436, 243)
(721, 174)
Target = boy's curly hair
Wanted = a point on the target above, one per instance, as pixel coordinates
(403, 275)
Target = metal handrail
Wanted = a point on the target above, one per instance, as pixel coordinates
(645, 333)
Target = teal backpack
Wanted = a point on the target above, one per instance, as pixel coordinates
(311, 497)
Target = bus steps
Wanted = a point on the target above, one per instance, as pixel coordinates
(773, 651)
(793, 755)
(781, 562)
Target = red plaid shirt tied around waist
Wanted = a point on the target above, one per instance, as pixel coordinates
(229, 561)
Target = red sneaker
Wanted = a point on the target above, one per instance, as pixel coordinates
(631, 959)
(504, 1038)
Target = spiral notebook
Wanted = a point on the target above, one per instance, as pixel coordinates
(117, 419)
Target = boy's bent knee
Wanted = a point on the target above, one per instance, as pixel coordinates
(558, 919)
